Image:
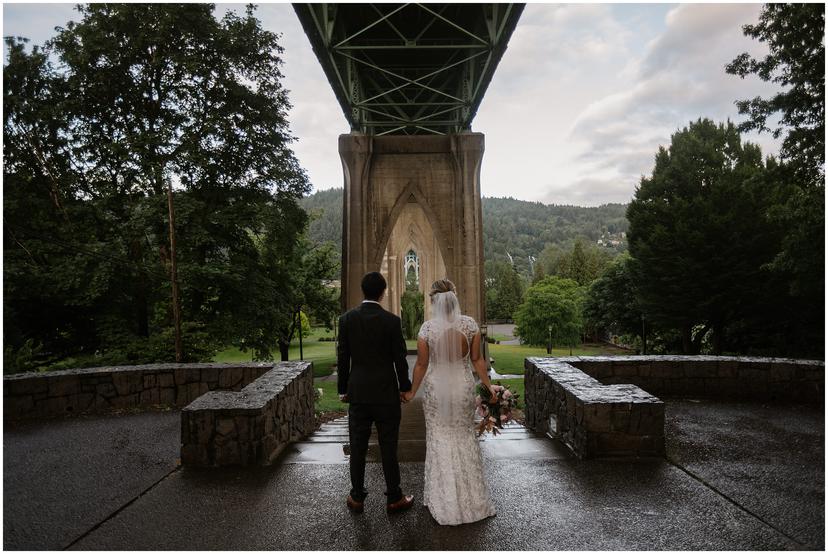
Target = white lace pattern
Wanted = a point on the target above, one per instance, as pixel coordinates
(455, 489)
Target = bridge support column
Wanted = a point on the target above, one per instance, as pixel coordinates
(385, 175)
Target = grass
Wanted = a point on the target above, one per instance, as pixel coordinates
(329, 401)
(509, 358)
(321, 353)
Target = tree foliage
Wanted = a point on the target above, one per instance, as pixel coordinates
(551, 306)
(795, 35)
(89, 151)
(701, 238)
(413, 311)
(611, 301)
(517, 227)
(583, 263)
(504, 290)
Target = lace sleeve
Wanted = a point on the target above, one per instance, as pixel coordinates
(470, 326)
(423, 334)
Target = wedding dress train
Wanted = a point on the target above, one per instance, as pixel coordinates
(456, 491)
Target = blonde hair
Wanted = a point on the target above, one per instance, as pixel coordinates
(441, 285)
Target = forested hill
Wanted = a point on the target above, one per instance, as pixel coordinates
(522, 228)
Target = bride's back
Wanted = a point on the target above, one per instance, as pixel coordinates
(450, 344)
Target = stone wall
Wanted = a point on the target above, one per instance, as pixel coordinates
(102, 389)
(592, 419)
(731, 377)
(253, 426)
(604, 406)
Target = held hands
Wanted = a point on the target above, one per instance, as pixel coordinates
(406, 396)
(492, 395)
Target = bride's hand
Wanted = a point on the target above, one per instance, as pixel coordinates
(493, 395)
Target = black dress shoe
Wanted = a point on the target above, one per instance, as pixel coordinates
(355, 506)
(403, 503)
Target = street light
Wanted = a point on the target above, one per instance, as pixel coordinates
(549, 343)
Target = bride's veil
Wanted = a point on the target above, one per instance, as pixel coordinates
(446, 359)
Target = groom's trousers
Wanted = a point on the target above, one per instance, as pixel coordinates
(386, 417)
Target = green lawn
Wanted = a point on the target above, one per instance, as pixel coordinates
(321, 353)
(329, 401)
(509, 358)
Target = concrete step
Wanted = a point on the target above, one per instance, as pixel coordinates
(330, 443)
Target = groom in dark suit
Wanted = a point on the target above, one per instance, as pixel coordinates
(372, 375)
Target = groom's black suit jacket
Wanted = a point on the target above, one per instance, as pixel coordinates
(371, 364)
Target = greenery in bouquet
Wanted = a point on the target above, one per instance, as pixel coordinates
(494, 412)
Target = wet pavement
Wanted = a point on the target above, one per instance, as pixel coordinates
(736, 476)
(62, 477)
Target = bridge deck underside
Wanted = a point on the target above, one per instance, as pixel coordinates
(409, 68)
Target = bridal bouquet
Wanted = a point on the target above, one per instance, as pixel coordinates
(494, 414)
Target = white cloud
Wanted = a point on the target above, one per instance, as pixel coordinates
(583, 96)
(589, 136)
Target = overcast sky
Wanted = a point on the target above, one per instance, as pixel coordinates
(577, 108)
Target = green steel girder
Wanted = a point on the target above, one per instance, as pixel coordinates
(409, 68)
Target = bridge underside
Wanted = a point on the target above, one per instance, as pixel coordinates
(409, 68)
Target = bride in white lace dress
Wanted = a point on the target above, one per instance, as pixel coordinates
(448, 345)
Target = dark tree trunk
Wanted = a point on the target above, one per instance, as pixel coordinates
(718, 338)
(686, 339)
(643, 337)
(141, 306)
(284, 350)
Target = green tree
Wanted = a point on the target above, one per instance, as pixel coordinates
(698, 232)
(795, 35)
(305, 282)
(93, 147)
(504, 291)
(413, 310)
(611, 303)
(582, 263)
(552, 305)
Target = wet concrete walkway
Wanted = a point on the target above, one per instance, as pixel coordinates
(737, 476)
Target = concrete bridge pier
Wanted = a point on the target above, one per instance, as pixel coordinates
(420, 193)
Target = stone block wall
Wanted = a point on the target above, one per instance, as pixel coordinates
(592, 419)
(102, 389)
(252, 426)
(725, 377)
(604, 406)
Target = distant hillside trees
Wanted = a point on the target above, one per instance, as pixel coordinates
(522, 229)
(510, 227)
(582, 263)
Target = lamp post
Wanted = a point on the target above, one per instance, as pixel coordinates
(549, 342)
